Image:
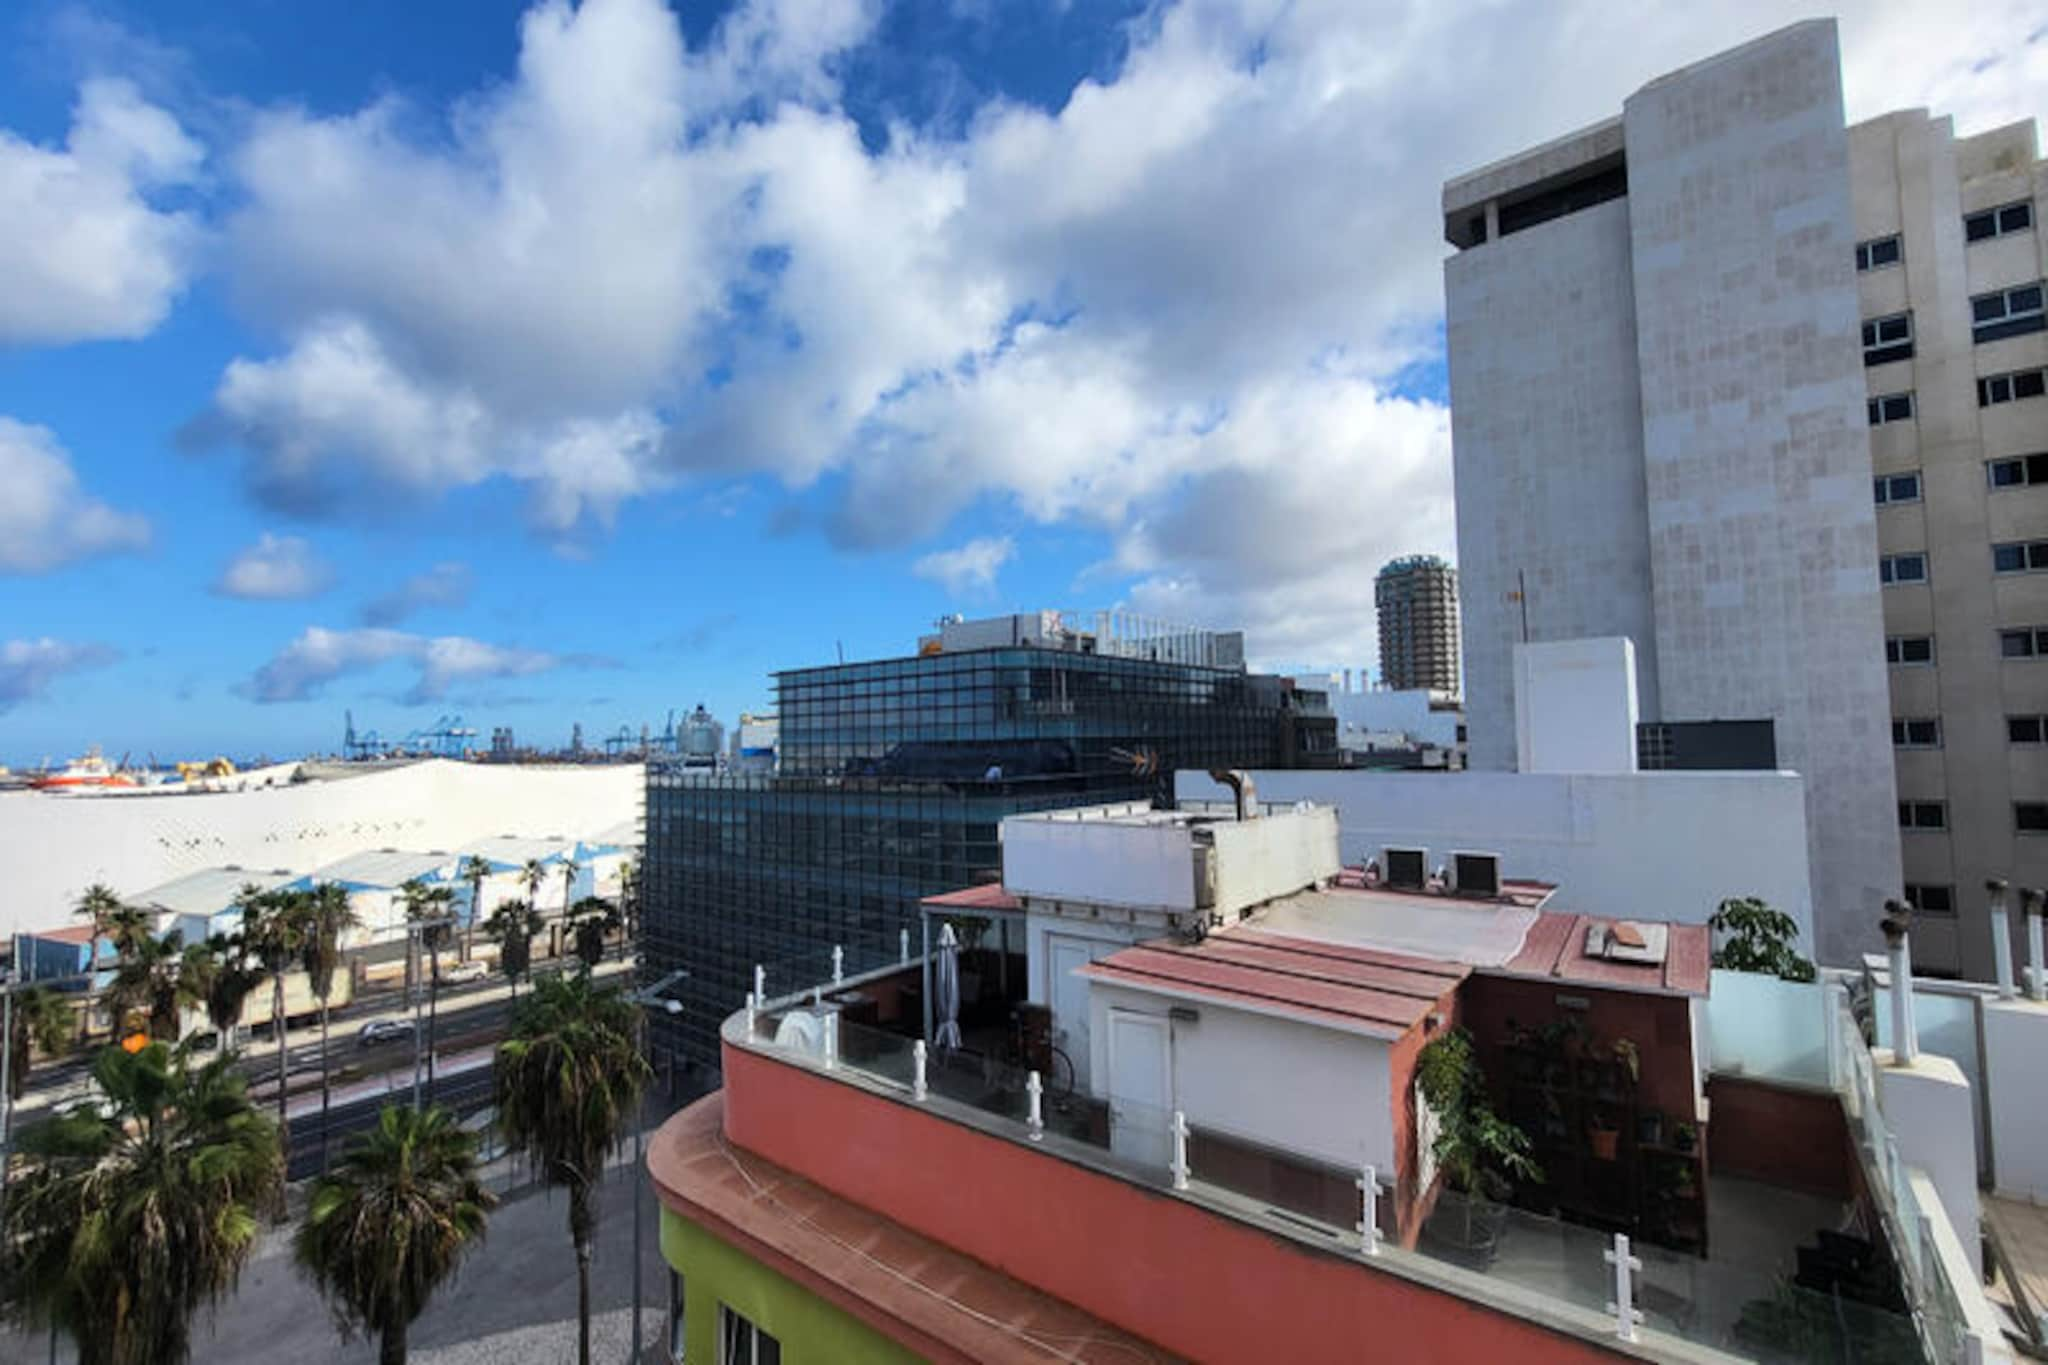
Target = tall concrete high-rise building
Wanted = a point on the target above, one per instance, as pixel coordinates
(1416, 599)
(1659, 417)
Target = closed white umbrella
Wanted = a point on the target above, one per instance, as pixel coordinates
(948, 987)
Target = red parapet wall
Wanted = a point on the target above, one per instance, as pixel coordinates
(1782, 1135)
(1196, 1283)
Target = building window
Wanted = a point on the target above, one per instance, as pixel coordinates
(1890, 338)
(1930, 899)
(1878, 252)
(1897, 488)
(1891, 407)
(1916, 732)
(2009, 388)
(1902, 569)
(2027, 642)
(2019, 556)
(678, 1334)
(1982, 227)
(2017, 471)
(2030, 817)
(2026, 729)
(742, 1343)
(1996, 315)
(1907, 650)
(1923, 815)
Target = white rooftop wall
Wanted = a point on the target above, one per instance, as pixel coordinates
(1667, 845)
(1575, 706)
(54, 847)
(1148, 861)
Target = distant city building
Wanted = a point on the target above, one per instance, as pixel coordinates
(1661, 424)
(895, 773)
(1417, 602)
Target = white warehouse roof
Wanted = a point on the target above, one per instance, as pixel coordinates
(509, 853)
(207, 891)
(384, 869)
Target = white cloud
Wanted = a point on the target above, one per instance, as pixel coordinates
(46, 518)
(967, 569)
(444, 585)
(28, 667)
(1173, 310)
(84, 252)
(275, 568)
(319, 656)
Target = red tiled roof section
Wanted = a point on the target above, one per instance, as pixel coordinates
(1355, 989)
(987, 897)
(1556, 946)
(915, 1290)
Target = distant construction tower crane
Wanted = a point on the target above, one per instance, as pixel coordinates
(368, 744)
(447, 737)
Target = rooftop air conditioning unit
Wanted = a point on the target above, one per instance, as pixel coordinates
(1475, 874)
(1407, 868)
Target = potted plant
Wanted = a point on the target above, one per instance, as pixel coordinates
(1630, 1058)
(1479, 1153)
(1684, 1136)
(1604, 1137)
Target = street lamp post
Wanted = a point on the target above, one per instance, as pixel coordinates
(655, 994)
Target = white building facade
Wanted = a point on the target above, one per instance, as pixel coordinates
(1660, 433)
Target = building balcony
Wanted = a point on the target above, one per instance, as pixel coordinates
(933, 1186)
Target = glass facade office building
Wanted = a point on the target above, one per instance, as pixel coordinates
(895, 776)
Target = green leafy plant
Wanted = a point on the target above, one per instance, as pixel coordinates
(569, 1078)
(1480, 1153)
(41, 1020)
(133, 1212)
(1755, 938)
(391, 1223)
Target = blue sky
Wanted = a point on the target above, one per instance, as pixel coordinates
(547, 363)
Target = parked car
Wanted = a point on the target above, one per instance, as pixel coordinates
(458, 972)
(383, 1031)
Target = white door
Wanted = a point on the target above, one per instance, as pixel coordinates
(1069, 995)
(1140, 1087)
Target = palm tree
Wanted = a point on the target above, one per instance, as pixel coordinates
(391, 1223)
(593, 919)
(96, 906)
(429, 903)
(534, 875)
(42, 1020)
(329, 915)
(273, 928)
(228, 982)
(153, 980)
(569, 1076)
(512, 926)
(474, 870)
(133, 1213)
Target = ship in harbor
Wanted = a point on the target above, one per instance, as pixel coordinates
(84, 774)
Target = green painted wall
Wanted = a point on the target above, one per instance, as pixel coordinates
(812, 1332)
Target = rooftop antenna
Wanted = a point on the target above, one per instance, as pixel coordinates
(842, 650)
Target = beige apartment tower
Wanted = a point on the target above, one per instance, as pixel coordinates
(1416, 599)
(1949, 264)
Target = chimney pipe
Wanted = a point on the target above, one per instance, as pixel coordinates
(2037, 978)
(1240, 784)
(2001, 938)
(1905, 1035)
